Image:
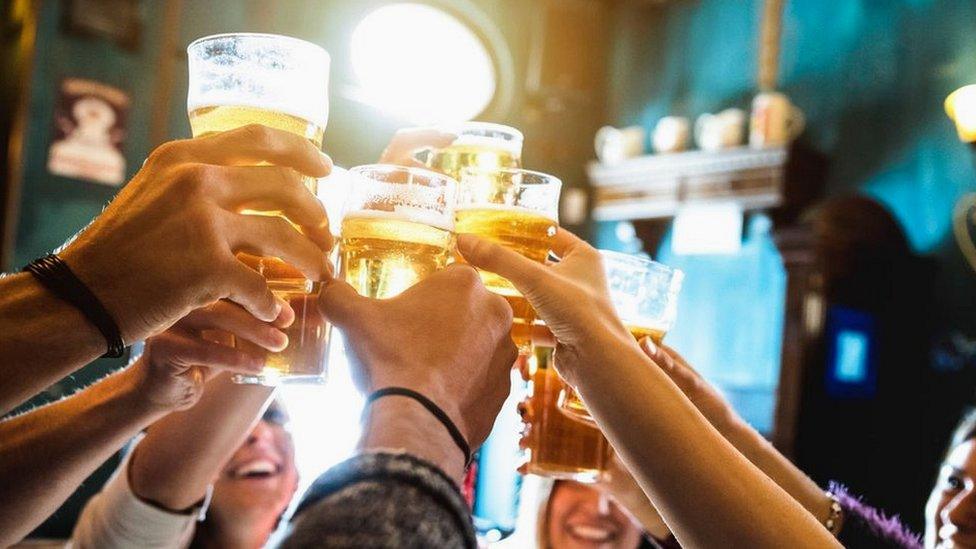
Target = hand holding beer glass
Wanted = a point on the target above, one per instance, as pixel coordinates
(518, 210)
(645, 296)
(397, 228)
(237, 80)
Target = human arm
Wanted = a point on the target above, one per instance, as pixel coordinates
(708, 493)
(47, 452)
(446, 338)
(166, 245)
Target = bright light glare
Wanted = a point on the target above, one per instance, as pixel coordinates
(420, 63)
(707, 229)
(324, 420)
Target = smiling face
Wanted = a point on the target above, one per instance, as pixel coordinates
(580, 517)
(257, 484)
(950, 515)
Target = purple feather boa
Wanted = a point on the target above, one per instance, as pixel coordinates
(866, 526)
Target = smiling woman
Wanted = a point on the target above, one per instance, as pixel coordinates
(422, 64)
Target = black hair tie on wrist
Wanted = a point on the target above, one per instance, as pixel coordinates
(55, 275)
(432, 408)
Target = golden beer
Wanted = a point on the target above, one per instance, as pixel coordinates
(483, 154)
(383, 253)
(302, 360)
(308, 339)
(558, 446)
(522, 230)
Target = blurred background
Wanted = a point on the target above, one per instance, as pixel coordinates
(793, 157)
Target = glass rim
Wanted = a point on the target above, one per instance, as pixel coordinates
(677, 275)
(546, 178)
(515, 133)
(282, 37)
(431, 175)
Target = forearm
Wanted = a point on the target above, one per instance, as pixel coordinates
(763, 455)
(183, 453)
(43, 339)
(709, 494)
(399, 423)
(48, 452)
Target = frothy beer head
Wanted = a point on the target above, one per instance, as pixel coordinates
(397, 228)
(263, 71)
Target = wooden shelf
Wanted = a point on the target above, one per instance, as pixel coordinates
(656, 186)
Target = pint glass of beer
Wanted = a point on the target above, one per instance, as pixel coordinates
(478, 145)
(397, 228)
(281, 82)
(645, 296)
(557, 446)
(517, 209)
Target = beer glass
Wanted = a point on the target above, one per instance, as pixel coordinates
(645, 296)
(557, 446)
(397, 228)
(517, 209)
(281, 82)
(478, 145)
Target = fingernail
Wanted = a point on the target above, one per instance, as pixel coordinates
(326, 159)
(278, 339)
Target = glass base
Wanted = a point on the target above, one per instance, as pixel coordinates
(586, 476)
(273, 379)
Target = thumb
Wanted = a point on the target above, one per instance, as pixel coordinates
(525, 274)
(340, 303)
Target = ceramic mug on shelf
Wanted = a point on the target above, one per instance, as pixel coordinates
(616, 144)
(671, 134)
(776, 121)
(724, 130)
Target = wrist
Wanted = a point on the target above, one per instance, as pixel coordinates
(83, 263)
(401, 423)
(595, 349)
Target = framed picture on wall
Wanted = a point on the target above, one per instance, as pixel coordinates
(89, 132)
(118, 21)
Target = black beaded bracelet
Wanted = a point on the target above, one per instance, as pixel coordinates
(432, 408)
(55, 275)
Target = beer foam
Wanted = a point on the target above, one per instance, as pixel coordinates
(269, 72)
(512, 147)
(508, 208)
(407, 213)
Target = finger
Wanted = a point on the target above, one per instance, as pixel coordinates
(275, 189)
(340, 303)
(521, 271)
(525, 411)
(274, 236)
(249, 289)
(256, 144)
(231, 318)
(287, 316)
(656, 353)
(565, 243)
(190, 351)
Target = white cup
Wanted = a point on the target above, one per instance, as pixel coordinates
(671, 134)
(724, 130)
(616, 144)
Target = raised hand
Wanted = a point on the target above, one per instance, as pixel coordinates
(166, 245)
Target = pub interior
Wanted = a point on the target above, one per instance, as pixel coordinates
(800, 172)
